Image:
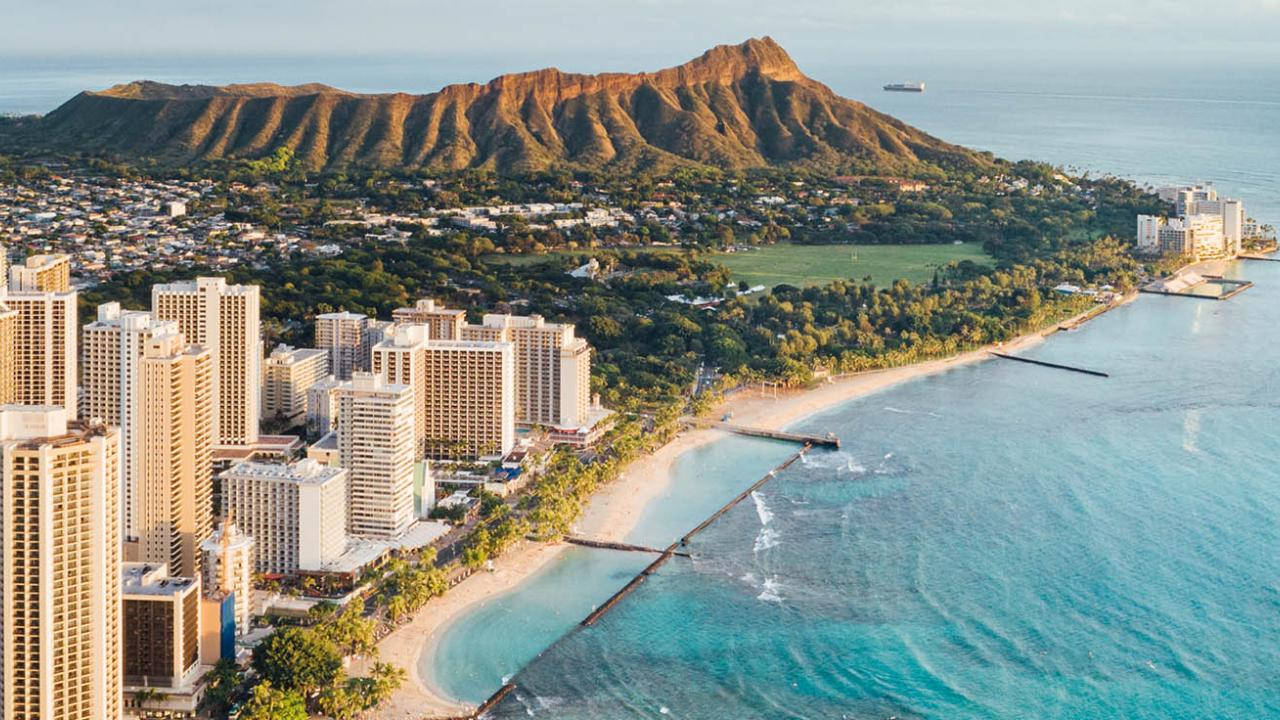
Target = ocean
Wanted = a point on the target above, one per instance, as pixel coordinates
(999, 541)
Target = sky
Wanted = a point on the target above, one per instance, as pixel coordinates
(643, 34)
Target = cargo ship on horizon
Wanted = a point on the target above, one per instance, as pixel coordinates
(905, 87)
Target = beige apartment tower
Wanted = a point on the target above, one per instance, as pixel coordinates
(8, 354)
(287, 374)
(345, 336)
(42, 273)
(175, 461)
(296, 512)
(376, 446)
(61, 643)
(45, 356)
(111, 361)
(464, 392)
(442, 323)
(225, 319)
(552, 367)
(228, 568)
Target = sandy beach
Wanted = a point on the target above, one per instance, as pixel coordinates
(616, 509)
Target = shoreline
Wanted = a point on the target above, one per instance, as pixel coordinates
(615, 510)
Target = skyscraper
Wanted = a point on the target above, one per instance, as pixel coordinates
(464, 392)
(111, 355)
(345, 336)
(44, 344)
(224, 319)
(60, 642)
(376, 446)
(175, 463)
(552, 366)
(296, 512)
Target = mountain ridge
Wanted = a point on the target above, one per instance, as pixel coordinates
(733, 107)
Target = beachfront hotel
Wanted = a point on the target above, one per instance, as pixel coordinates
(1206, 226)
(287, 374)
(552, 367)
(60, 639)
(174, 462)
(111, 361)
(225, 319)
(376, 445)
(296, 512)
(345, 336)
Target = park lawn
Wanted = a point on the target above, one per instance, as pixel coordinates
(806, 265)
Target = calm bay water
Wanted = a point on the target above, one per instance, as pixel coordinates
(1001, 541)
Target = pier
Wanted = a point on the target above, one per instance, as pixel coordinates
(1253, 256)
(1042, 363)
(826, 441)
(610, 545)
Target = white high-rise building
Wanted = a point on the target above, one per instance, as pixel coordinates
(225, 319)
(60, 639)
(1199, 237)
(296, 513)
(111, 352)
(376, 445)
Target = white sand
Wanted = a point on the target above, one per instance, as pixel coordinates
(616, 509)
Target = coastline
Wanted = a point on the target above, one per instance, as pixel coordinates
(614, 511)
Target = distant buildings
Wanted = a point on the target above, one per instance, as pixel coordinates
(1206, 226)
(442, 323)
(60, 635)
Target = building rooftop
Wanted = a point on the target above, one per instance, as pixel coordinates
(152, 580)
(305, 471)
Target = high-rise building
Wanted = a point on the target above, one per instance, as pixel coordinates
(401, 360)
(442, 323)
(345, 336)
(60, 640)
(42, 273)
(225, 319)
(464, 392)
(228, 570)
(322, 406)
(45, 359)
(552, 366)
(111, 354)
(376, 446)
(161, 615)
(286, 376)
(296, 513)
(1198, 237)
(8, 353)
(175, 462)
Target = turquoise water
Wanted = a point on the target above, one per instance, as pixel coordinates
(1000, 541)
(490, 643)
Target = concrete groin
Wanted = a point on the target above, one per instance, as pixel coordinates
(1042, 363)
(828, 441)
(610, 545)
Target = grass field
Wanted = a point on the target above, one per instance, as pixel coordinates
(804, 265)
